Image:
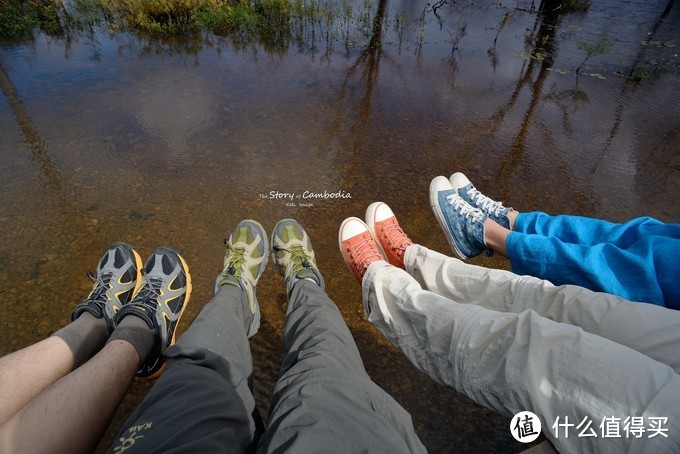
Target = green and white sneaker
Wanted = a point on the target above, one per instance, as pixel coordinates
(244, 261)
(293, 254)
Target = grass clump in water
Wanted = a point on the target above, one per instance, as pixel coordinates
(17, 18)
(164, 17)
(267, 22)
(154, 16)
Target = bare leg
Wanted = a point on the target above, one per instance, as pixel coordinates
(28, 372)
(72, 415)
(495, 236)
(512, 215)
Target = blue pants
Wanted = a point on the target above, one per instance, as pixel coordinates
(638, 260)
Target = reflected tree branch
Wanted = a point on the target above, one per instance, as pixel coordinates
(366, 69)
(49, 171)
(630, 83)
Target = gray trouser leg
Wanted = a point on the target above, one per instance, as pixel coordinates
(324, 399)
(203, 401)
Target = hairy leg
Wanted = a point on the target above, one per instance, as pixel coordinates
(26, 373)
(72, 415)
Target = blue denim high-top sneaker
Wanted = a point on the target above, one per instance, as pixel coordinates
(462, 223)
(495, 210)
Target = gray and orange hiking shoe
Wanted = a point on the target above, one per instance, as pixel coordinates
(244, 261)
(118, 278)
(462, 223)
(495, 210)
(293, 254)
(160, 302)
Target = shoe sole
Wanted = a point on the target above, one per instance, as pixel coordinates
(257, 316)
(159, 372)
(140, 266)
(439, 215)
(370, 215)
(265, 240)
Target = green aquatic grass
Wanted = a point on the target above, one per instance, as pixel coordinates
(179, 16)
(151, 17)
(17, 18)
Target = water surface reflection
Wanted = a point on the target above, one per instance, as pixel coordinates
(112, 137)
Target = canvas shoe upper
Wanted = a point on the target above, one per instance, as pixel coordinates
(494, 209)
(358, 247)
(462, 223)
(389, 236)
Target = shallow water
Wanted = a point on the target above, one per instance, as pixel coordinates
(110, 137)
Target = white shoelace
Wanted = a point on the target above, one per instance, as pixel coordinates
(101, 286)
(485, 203)
(464, 208)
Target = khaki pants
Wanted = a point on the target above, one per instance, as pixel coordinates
(515, 343)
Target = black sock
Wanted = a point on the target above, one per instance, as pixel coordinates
(135, 331)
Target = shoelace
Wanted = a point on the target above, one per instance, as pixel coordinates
(363, 254)
(298, 257)
(150, 291)
(402, 240)
(237, 260)
(101, 285)
(464, 208)
(485, 203)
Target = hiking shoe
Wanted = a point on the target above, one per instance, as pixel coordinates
(118, 278)
(358, 247)
(160, 302)
(244, 261)
(293, 254)
(462, 223)
(391, 239)
(495, 210)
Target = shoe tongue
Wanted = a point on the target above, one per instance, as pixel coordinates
(243, 235)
